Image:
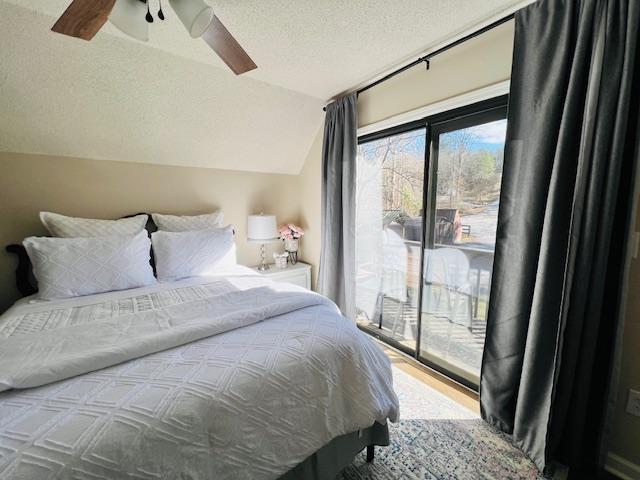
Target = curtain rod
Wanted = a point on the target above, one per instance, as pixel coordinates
(429, 56)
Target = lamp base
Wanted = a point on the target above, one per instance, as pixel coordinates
(263, 255)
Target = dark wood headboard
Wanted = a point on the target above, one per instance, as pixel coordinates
(26, 281)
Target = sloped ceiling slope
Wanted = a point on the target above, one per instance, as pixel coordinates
(172, 101)
(119, 100)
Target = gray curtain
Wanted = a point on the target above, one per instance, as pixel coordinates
(562, 228)
(336, 278)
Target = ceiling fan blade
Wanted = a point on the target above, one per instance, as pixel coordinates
(227, 48)
(84, 18)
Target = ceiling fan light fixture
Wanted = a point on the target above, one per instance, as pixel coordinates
(128, 16)
(195, 15)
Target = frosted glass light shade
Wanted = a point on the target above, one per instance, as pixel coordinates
(195, 15)
(262, 228)
(128, 17)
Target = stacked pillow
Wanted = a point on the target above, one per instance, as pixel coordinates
(192, 254)
(87, 256)
(192, 246)
(69, 227)
(188, 223)
(70, 267)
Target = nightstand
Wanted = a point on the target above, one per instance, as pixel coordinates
(298, 274)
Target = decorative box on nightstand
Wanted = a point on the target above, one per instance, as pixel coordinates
(298, 274)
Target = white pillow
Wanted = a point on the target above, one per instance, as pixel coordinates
(191, 254)
(68, 227)
(71, 267)
(188, 223)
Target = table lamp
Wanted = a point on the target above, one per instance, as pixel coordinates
(262, 229)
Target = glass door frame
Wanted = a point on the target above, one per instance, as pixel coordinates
(455, 119)
(468, 116)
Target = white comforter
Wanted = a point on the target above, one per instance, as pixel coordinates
(248, 378)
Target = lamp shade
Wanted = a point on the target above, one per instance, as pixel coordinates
(128, 17)
(195, 15)
(262, 228)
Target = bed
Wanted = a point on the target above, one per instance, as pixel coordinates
(230, 376)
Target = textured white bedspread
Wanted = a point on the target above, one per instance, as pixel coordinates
(276, 373)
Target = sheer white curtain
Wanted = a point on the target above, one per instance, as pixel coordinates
(368, 233)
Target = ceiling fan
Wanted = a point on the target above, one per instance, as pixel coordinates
(84, 18)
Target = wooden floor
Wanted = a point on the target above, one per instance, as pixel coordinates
(439, 382)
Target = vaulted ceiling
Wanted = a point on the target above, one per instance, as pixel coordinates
(172, 101)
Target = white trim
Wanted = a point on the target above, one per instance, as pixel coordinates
(468, 98)
(621, 467)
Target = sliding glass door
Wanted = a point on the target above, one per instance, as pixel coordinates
(427, 202)
(389, 196)
(465, 172)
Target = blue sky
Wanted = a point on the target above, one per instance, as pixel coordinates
(489, 136)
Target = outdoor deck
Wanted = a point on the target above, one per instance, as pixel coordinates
(451, 342)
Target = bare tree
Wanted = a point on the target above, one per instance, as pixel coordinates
(399, 159)
(453, 150)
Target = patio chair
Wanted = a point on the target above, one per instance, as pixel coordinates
(394, 277)
(447, 269)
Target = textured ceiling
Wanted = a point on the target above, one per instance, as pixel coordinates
(172, 101)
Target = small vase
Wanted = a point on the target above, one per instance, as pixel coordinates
(291, 246)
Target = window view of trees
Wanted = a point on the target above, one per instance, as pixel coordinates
(389, 186)
(399, 159)
(469, 171)
(458, 253)
(467, 177)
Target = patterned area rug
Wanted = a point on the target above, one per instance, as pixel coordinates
(439, 439)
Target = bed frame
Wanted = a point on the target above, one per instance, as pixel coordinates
(331, 459)
(25, 281)
(325, 464)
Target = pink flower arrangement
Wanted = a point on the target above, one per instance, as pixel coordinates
(290, 232)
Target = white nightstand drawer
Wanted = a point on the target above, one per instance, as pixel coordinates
(298, 274)
(299, 279)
